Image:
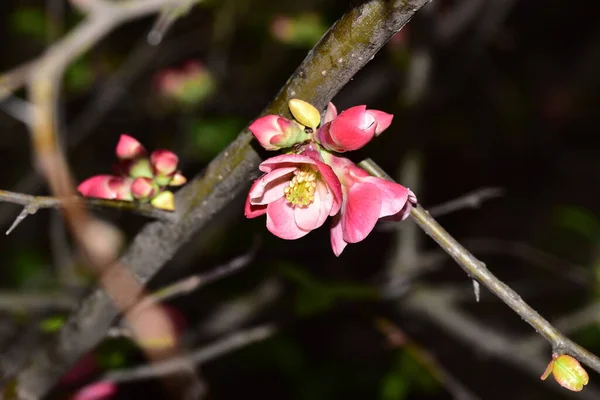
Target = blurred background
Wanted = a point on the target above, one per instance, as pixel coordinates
(496, 100)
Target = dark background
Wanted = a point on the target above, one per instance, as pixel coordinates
(509, 100)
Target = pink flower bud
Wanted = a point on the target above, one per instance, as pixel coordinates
(164, 201)
(178, 179)
(106, 187)
(274, 132)
(164, 162)
(353, 128)
(129, 148)
(143, 188)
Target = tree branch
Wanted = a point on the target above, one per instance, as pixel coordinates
(477, 270)
(33, 203)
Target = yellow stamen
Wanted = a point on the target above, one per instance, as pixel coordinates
(301, 189)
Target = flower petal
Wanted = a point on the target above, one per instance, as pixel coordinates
(361, 211)
(269, 187)
(333, 184)
(251, 210)
(326, 201)
(285, 160)
(353, 128)
(393, 195)
(307, 218)
(337, 238)
(383, 119)
(330, 114)
(281, 222)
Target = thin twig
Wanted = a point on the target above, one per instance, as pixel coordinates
(476, 269)
(438, 305)
(472, 199)
(33, 203)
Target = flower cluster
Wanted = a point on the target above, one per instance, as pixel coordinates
(188, 85)
(138, 176)
(311, 181)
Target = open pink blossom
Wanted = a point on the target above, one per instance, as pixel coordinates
(274, 132)
(107, 187)
(297, 192)
(365, 200)
(352, 128)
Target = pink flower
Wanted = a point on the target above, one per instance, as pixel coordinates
(106, 187)
(297, 192)
(365, 200)
(97, 391)
(129, 148)
(274, 132)
(352, 128)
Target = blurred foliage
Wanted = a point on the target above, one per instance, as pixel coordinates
(53, 323)
(302, 30)
(316, 296)
(29, 270)
(578, 220)
(207, 137)
(406, 375)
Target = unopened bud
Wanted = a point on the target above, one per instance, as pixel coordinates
(164, 201)
(143, 188)
(567, 372)
(305, 113)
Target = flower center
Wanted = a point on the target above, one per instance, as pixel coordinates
(301, 189)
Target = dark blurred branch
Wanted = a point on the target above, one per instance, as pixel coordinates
(473, 199)
(477, 270)
(220, 347)
(342, 52)
(399, 339)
